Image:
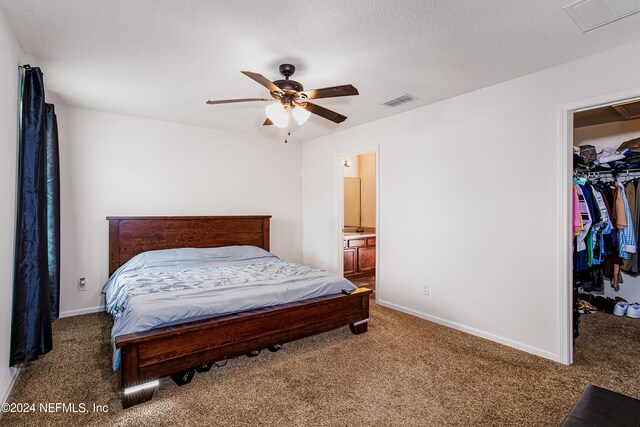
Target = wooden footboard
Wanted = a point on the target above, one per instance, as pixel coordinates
(149, 355)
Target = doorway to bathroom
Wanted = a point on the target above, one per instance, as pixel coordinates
(359, 234)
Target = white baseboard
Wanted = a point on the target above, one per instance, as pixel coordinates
(80, 311)
(7, 392)
(482, 334)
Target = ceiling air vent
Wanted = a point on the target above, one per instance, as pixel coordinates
(399, 100)
(590, 14)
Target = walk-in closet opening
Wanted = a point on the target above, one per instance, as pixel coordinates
(359, 233)
(605, 226)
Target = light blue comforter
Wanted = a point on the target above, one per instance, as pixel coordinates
(160, 288)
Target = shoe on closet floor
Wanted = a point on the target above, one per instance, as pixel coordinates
(620, 308)
(633, 311)
(585, 308)
(605, 304)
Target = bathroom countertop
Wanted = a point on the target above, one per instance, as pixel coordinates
(353, 235)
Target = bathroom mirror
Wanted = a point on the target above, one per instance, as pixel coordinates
(352, 202)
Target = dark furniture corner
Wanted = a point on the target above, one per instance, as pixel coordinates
(604, 408)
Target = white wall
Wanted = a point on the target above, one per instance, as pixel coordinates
(9, 78)
(120, 165)
(612, 135)
(469, 201)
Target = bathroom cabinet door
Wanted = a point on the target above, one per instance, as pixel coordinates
(366, 259)
(350, 261)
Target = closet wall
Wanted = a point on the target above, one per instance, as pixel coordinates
(610, 135)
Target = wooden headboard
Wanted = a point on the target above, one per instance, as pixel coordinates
(131, 235)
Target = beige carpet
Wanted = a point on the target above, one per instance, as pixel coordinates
(403, 372)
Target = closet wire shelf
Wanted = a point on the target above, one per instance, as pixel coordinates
(609, 176)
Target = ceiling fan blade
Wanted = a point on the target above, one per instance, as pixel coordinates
(262, 80)
(331, 92)
(324, 112)
(267, 122)
(228, 101)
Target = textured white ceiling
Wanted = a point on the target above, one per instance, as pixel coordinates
(163, 59)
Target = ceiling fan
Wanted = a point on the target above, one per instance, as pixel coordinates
(293, 99)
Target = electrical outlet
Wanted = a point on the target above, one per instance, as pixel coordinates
(425, 290)
(82, 284)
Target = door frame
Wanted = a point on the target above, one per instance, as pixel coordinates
(339, 206)
(565, 192)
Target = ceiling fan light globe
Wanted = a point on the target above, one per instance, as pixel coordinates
(300, 115)
(278, 114)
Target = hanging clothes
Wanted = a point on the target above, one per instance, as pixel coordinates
(627, 233)
(606, 214)
(635, 265)
(577, 218)
(601, 229)
(585, 217)
(630, 193)
(589, 244)
(605, 230)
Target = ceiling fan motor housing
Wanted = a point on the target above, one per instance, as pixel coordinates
(287, 85)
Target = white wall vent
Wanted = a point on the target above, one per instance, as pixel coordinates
(590, 14)
(399, 100)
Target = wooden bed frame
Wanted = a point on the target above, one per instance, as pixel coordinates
(174, 350)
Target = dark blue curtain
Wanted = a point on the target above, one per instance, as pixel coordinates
(36, 286)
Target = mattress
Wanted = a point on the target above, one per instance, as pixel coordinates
(167, 287)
